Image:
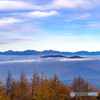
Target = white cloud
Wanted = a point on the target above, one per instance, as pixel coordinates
(18, 25)
(14, 39)
(20, 61)
(77, 16)
(70, 4)
(5, 21)
(44, 59)
(66, 37)
(94, 24)
(14, 5)
(13, 21)
(55, 4)
(67, 33)
(36, 14)
(77, 59)
(80, 16)
(70, 37)
(66, 3)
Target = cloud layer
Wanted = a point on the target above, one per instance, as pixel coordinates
(55, 4)
(14, 5)
(14, 39)
(44, 59)
(22, 20)
(5, 21)
(36, 14)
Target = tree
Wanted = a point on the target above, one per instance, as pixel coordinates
(9, 81)
(34, 84)
(42, 89)
(58, 90)
(23, 88)
(3, 95)
(14, 91)
(79, 85)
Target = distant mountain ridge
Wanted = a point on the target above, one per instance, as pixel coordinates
(59, 56)
(47, 52)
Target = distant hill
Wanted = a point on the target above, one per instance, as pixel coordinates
(57, 56)
(47, 52)
(75, 57)
(53, 56)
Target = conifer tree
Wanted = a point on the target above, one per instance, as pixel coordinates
(3, 95)
(34, 84)
(9, 81)
(42, 89)
(58, 90)
(14, 91)
(79, 85)
(23, 85)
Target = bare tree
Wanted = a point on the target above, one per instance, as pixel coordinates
(9, 81)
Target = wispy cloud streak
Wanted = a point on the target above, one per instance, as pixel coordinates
(19, 61)
(36, 14)
(14, 39)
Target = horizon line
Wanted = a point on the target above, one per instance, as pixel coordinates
(48, 50)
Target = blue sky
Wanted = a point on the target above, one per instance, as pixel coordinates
(63, 25)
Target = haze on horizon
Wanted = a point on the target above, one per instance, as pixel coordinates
(62, 25)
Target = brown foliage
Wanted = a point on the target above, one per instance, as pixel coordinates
(79, 85)
(43, 88)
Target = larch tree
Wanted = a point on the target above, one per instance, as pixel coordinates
(14, 91)
(23, 85)
(42, 89)
(79, 85)
(3, 95)
(34, 84)
(58, 91)
(9, 81)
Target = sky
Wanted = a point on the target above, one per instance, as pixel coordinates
(62, 25)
